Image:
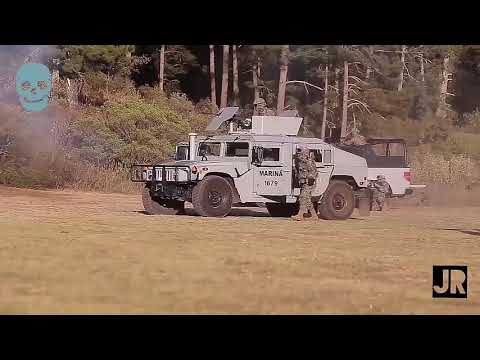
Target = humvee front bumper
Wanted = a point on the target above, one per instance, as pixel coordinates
(169, 182)
(162, 173)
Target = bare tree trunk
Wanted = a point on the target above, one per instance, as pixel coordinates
(422, 68)
(369, 67)
(402, 61)
(255, 72)
(369, 71)
(75, 91)
(56, 82)
(343, 130)
(224, 94)
(256, 94)
(337, 87)
(444, 87)
(161, 67)
(283, 79)
(213, 91)
(236, 92)
(325, 104)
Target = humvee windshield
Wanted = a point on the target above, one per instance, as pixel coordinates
(182, 152)
(209, 149)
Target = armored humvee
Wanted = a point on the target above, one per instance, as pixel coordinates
(252, 164)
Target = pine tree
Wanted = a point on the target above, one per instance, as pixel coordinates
(213, 95)
(283, 78)
(224, 91)
(236, 91)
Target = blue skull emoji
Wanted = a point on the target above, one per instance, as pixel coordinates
(33, 85)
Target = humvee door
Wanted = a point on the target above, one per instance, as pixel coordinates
(324, 162)
(272, 173)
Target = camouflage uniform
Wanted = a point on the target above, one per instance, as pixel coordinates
(306, 171)
(380, 190)
(261, 108)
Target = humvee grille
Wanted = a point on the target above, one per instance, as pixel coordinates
(172, 173)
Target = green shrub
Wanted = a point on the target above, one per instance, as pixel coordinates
(136, 130)
(86, 148)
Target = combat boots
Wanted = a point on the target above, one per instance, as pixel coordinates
(313, 215)
(299, 216)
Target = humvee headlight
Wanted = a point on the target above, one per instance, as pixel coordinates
(194, 169)
(141, 173)
(147, 174)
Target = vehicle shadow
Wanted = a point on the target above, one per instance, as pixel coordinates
(474, 232)
(249, 212)
(238, 212)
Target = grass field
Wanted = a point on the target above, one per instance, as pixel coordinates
(86, 253)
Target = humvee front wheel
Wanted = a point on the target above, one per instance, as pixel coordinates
(282, 210)
(212, 197)
(338, 202)
(153, 207)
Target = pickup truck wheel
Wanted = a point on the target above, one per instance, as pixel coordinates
(338, 202)
(212, 197)
(153, 207)
(282, 210)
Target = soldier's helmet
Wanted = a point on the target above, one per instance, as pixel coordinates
(302, 151)
(259, 101)
(380, 177)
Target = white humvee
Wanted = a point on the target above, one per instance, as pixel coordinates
(251, 166)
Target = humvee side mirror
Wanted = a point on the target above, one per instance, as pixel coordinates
(257, 155)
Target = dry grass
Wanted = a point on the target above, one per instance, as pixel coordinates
(435, 168)
(87, 177)
(69, 252)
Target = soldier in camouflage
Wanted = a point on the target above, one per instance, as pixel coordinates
(261, 109)
(306, 171)
(380, 190)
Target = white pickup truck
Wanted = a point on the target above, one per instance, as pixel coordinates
(388, 157)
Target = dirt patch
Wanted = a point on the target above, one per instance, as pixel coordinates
(441, 195)
(98, 253)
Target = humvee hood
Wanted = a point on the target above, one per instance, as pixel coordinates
(180, 162)
(197, 162)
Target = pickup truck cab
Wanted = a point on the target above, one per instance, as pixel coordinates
(388, 157)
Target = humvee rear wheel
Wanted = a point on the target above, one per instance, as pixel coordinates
(338, 202)
(282, 210)
(212, 197)
(153, 207)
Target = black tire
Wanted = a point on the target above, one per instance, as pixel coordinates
(282, 210)
(212, 197)
(338, 202)
(153, 207)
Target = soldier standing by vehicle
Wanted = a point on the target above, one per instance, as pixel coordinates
(380, 190)
(306, 171)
